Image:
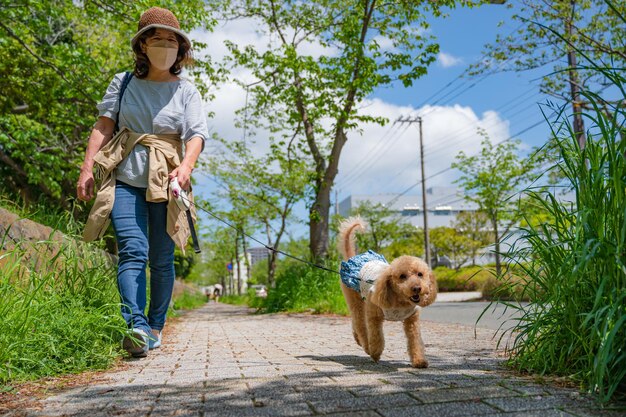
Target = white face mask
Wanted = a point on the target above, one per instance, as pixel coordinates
(162, 54)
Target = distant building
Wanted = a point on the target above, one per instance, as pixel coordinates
(257, 254)
(443, 204)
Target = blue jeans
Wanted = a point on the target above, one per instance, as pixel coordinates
(142, 239)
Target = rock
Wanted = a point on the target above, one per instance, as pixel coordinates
(36, 244)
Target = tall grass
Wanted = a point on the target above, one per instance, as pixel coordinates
(59, 315)
(575, 264)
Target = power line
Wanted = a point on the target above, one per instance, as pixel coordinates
(456, 139)
(446, 144)
(373, 153)
(393, 200)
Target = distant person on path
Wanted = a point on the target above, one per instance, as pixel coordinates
(217, 291)
(157, 114)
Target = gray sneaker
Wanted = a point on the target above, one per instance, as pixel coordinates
(136, 343)
(155, 341)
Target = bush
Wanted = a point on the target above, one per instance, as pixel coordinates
(188, 300)
(302, 288)
(238, 300)
(470, 278)
(511, 288)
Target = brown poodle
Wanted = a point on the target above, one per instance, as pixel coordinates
(376, 291)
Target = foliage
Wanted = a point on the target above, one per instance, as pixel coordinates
(302, 288)
(573, 265)
(183, 264)
(188, 300)
(464, 279)
(310, 99)
(238, 300)
(56, 60)
(450, 242)
(60, 319)
(490, 180)
(262, 191)
(248, 299)
(258, 273)
(386, 234)
(544, 37)
(383, 226)
(474, 225)
(217, 251)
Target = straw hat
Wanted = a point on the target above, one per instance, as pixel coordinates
(158, 18)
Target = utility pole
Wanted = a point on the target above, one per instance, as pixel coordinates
(579, 125)
(418, 120)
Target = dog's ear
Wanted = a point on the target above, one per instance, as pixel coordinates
(433, 288)
(382, 296)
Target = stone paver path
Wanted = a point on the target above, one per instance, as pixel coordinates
(224, 361)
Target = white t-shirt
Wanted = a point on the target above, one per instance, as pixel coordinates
(172, 107)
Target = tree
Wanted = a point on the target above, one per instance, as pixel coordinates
(218, 250)
(474, 225)
(56, 60)
(314, 98)
(450, 242)
(490, 180)
(383, 227)
(262, 190)
(555, 33)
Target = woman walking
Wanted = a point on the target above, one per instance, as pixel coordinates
(136, 146)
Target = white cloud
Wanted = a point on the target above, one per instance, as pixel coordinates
(387, 159)
(448, 60)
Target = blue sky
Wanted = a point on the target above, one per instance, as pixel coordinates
(385, 159)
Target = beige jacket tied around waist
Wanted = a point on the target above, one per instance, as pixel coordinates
(164, 154)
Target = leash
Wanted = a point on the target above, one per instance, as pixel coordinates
(270, 248)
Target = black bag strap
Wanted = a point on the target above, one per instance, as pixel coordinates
(127, 77)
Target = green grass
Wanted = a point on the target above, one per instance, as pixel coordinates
(188, 300)
(574, 265)
(301, 288)
(238, 300)
(59, 308)
(57, 317)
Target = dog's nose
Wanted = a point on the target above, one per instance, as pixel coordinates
(416, 289)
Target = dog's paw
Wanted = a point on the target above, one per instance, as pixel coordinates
(420, 363)
(375, 356)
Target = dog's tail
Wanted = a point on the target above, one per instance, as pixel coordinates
(347, 230)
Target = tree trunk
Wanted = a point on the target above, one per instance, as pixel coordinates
(271, 269)
(238, 264)
(231, 278)
(318, 226)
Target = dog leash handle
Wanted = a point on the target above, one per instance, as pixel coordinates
(194, 236)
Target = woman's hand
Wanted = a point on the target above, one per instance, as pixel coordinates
(101, 133)
(183, 174)
(85, 185)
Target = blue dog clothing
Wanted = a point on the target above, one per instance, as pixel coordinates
(357, 276)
